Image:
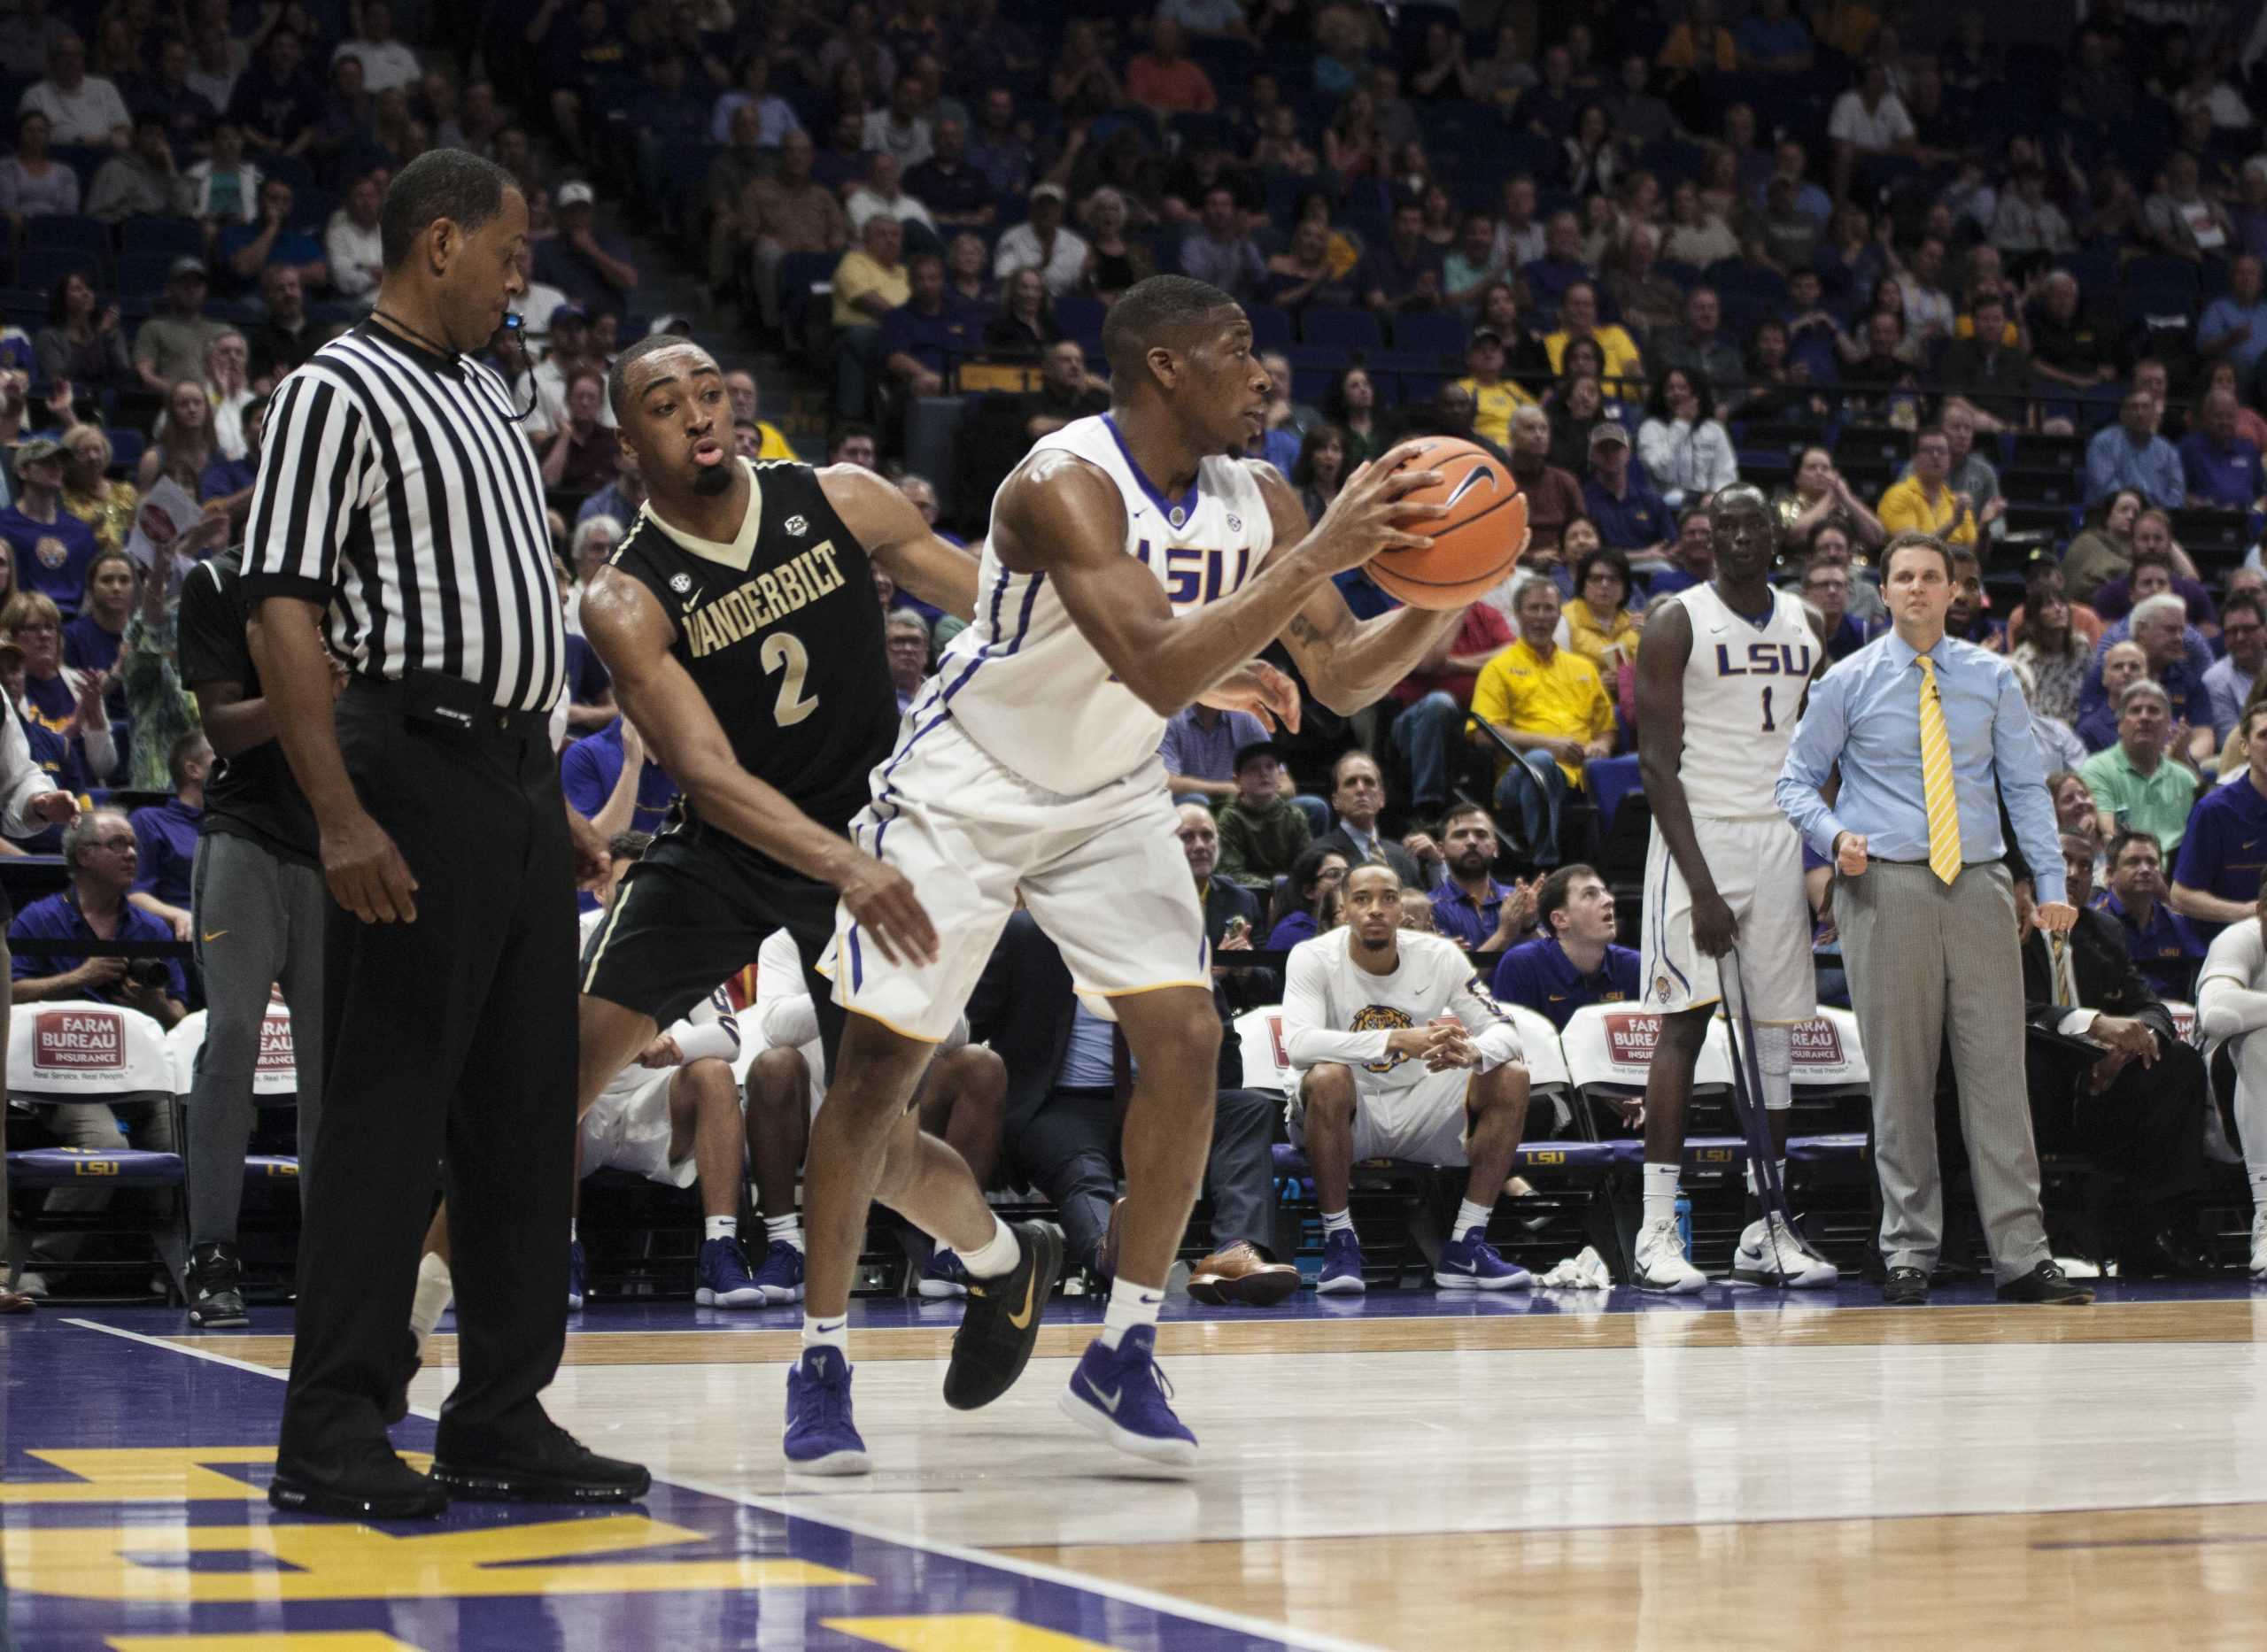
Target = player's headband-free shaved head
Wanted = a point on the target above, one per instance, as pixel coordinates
(1160, 312)
(617, 378)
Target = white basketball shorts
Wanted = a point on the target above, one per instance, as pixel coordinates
(1758, 868)
(627, 1129)
(1424, 1123)
(1102, 874)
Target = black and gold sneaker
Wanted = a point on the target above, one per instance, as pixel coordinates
(1000, 1328)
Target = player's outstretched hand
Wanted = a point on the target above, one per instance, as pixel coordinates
(1373, 512)
(366, 873)
(880, 898)
(1261, 689)
(1714, 926)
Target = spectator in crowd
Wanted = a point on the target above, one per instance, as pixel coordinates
(2140, 1103)
(1220, 252)
(1866, 121)
(1263, 832)
(33, 182)
(2217, 874)
(898, 129)
(2181, 218)
(224, 187)
(1358, 797)
(2046, 641)
(1434, 698)
(141, 180)
(881, 193)
(2164, 945)
(165, 835)
(2139, 783)
(740, 386)
(870, 283)
(81, 108)
(1692, 559)
(1401, 1093)
(170, 346)
(1991, 374)
(2221, 470)
(2131, 454)
(1023, 324)
(1973, 478)
(1471, 907)
(1826, 589)
(1821, 495)
(1772, 41)
(1923, 502)
(924, 337)
(1473, 267)
(2120, 665)
(1163, 78)
(1067, 391)
(2024, 219)
(2103, 549)
(1686, 451)
(2229, 681)
(227, 390)
(1307, 904)
(350, 242)
(90, 494)
(744, 160)
(66, 702)
(286, 337)
(1573, 960)
(997, 148)
(1968, 618)
(387, 63)
(2059, 746)
(1404, 271)
(2068, 347)
(1494, 397)
(790, 213)
(1702, 347)
(2233, 325)
(612, 781)
(83, 345)
(50, 547)
(1554, 497)
(99, 856)
(1621, 361)
(948, 184)
(1600, 626)
(1548, 703)
(182, 441)
(581, 458)
(276, 102)
(906, 637)
(1042, 242)
(1630, 514)
(593, 270)
(1199, 752)
(774, 116)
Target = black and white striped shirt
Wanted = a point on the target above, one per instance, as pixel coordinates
(395, 490)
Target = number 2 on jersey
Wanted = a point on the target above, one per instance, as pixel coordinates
(1768, 724)
(784, 650)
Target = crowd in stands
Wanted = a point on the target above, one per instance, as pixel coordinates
(1999, 279)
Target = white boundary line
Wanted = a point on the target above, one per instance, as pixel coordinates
(1126, 1594)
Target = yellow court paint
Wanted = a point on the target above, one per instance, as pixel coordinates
(964, 1632)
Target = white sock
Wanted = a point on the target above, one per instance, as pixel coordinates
(1780, 1165)
(788, 1228)
(1660, 1193)
(572, 1236)
(720, 1227)
(1337, 1221)
(434, 1288)
(1469, 1217)
(1130, 1305)
(996, 1256)
(828, 1333)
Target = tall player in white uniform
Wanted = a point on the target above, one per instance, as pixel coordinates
(1720, 685)
(1132, 569)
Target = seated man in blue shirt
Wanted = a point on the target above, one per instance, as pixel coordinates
(1630, 516)
(2220, 469)
(927, 335)
(608, 779)
(1471, 907)
(2224, 848)
(2163, 945)
(99, 853)
(1573, 961)
(165, 837)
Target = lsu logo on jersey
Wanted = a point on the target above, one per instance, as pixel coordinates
(1381, 1018)
(1765, 659)
(1193, 575)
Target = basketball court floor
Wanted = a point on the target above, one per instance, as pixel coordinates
(1569, 1470)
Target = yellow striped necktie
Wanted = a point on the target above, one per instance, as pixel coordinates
(1935, 777)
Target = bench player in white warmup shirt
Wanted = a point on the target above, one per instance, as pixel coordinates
(1131, 570)
(1721, 685)
(2231, 1014)
(1378, 1073)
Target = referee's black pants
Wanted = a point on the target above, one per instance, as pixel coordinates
(450, 1040)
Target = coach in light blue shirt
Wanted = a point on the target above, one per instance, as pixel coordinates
(1931, 950)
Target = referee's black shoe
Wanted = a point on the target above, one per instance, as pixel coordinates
(998, 1332)
(365, 1481)
(2048, 1284)
(1905, 1287)
(537, 1462)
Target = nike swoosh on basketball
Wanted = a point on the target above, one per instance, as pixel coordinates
(1109, 1402)
(1473, 478)
(213, 934)
(1022, 1321)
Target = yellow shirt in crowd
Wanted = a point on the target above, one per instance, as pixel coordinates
(856, 276)
(1492, 406)
(1587, 637)
(1905, 507)
(1562, 696)
(1624, 361)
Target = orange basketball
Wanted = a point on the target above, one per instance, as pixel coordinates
(1475, 546)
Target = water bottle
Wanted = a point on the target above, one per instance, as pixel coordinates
(1685, 1225)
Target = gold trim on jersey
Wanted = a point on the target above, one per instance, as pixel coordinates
(737, 554)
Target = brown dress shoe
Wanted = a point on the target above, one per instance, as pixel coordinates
(1244, 1273)
(15, 1303)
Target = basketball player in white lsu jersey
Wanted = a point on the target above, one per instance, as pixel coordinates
(1133, 568)
(1720, 685)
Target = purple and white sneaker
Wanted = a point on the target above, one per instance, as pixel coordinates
(944, 1277)
(1342, 1266)
(576, 1268)
(1122, 1395)
(781, 1276)
(722, 1278)
(820, 1437)
(1471, 1263)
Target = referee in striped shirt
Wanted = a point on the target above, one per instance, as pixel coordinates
(397, 523)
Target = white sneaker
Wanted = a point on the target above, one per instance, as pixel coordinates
(1776, 1256)
(2258, 1247)
(1661, 1264)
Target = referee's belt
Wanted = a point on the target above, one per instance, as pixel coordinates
(1880, 859)
(439, 701)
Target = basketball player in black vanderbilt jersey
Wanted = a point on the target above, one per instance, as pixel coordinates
(739, 622)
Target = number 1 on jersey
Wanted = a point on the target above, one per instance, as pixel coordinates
(1768, 724)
